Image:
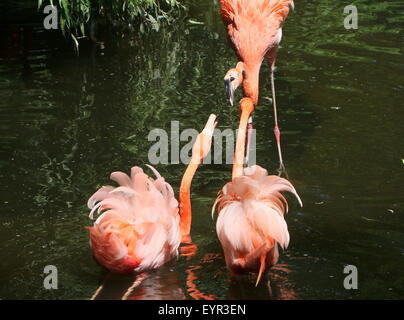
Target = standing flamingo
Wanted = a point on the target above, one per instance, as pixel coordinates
(141, 224)
(250, 222)
(255, 30)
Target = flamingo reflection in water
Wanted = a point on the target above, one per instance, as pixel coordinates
(161, 284)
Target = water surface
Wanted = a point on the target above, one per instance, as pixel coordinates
(67, 122)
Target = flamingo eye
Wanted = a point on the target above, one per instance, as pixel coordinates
(232, 78)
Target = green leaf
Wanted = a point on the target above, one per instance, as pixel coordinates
(82, 29)
(63, 25)
(76, 43)
(194, 22)
(65, 6)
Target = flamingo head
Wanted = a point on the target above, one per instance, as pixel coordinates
(203, 141)
(232, 80)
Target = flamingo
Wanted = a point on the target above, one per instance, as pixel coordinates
(250, 223)
(255, 30)
(141, 224)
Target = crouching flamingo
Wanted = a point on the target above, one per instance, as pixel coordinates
(141, 224)
(250, 222)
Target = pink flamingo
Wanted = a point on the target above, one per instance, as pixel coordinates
(250, 222)
(141, 225)
(255, 30)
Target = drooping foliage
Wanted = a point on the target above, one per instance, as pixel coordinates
(77, 18)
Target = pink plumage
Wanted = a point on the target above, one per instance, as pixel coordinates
(255, 31)
(138, 226)
(251, 223)
(141, 225)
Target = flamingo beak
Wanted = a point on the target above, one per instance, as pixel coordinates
(229, 89)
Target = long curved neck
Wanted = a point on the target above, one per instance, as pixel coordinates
(240, 142)
(185, 201)
(251, 80)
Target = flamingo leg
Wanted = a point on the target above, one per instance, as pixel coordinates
(277, 132)
(271, 59)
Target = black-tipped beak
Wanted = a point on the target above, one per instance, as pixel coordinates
(229, 90)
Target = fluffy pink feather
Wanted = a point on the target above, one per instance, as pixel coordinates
(251, 220)
(138, 226)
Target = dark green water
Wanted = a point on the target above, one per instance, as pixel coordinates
(67, 122)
